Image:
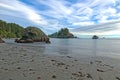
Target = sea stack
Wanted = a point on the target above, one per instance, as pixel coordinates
(33, 34)
(95, 37)
(63, 33)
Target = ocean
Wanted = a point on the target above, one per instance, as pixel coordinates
(78, 47)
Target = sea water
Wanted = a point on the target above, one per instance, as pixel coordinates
(78, 47)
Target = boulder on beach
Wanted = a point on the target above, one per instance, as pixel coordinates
(95, 37)
(33, 34)
(1, 41)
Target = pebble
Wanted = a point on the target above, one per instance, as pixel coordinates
(53, 76)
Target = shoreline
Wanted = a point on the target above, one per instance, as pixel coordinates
(30, 63)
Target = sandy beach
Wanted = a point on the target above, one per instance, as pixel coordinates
(20, 62)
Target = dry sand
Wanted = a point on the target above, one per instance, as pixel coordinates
(29, 63)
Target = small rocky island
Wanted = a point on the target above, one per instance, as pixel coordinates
(63, 33)
(1, 41)
(33, 34)
(95, 37)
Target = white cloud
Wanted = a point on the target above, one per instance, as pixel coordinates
(84, 23)
(111, 28)
(101, 4)
(106, 13)
(56, 8)
(110, 11)
(19, 7)
(81, 13)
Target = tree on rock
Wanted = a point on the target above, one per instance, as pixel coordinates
(33, 34)
(63, 33)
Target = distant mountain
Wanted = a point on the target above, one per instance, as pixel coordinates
(63, 33)
(10, 30)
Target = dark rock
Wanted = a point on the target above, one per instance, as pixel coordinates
(95, 37)
(61, 63)
(18, 67)
(91, 62)
(38, 77)
(30, 69)
(16, 40)
(1, 41)
(117, 78)
(47, 40)
(33, 34)
(99, 70)
(24, 41)
(69, 56)
(63, 33)
(89, 75)
(53, 76)
(52, 60)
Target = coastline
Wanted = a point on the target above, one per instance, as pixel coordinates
(20, 62)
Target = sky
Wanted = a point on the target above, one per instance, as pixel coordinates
(82, 17)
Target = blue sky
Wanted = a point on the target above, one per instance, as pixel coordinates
(82, 17)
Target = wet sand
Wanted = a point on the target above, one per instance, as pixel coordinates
(20, 62)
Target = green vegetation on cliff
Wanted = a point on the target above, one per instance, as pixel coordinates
(63, 33)
(33, 33)
(27, 35)
(10, 30)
